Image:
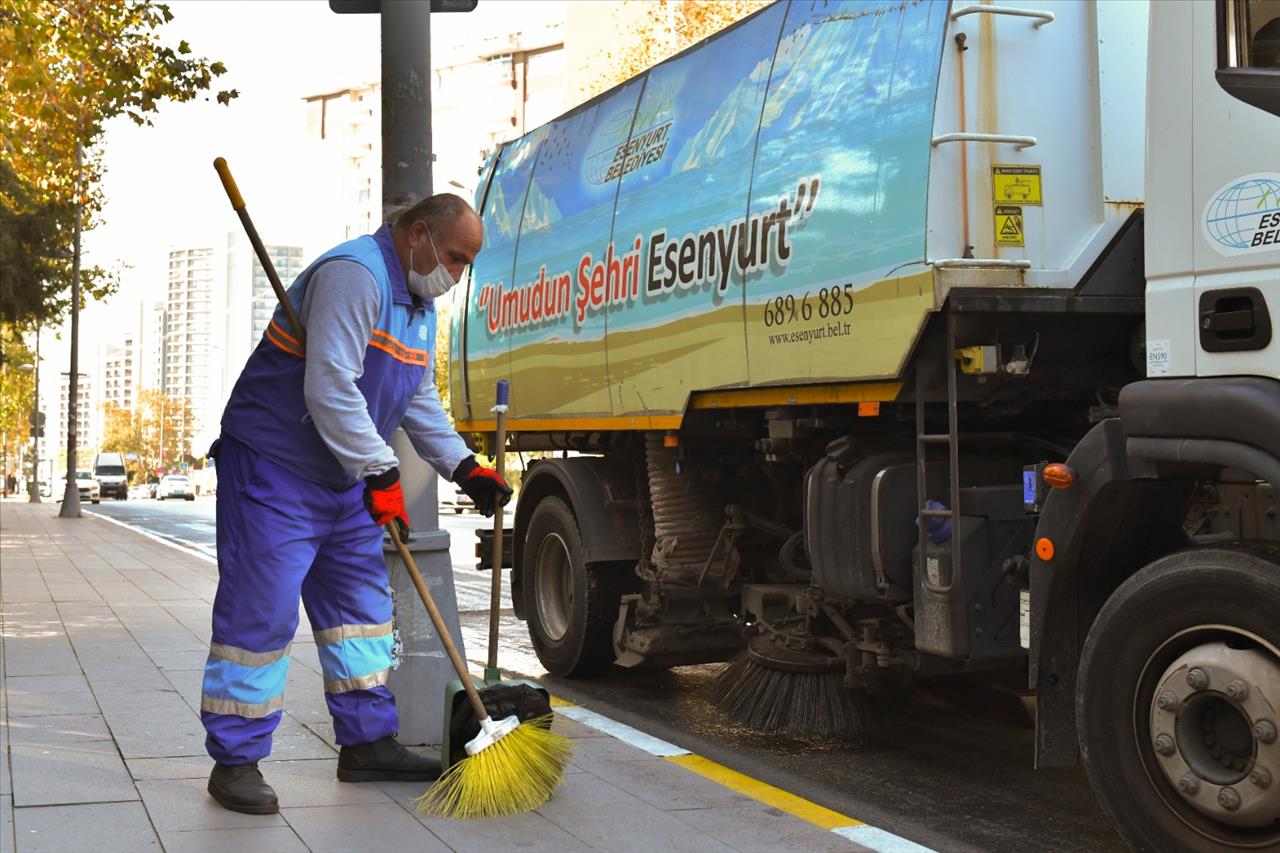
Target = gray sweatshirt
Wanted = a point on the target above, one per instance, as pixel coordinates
(339, 308)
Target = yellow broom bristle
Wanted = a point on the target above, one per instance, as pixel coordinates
(516, 773)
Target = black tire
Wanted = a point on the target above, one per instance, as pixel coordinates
(583, 644)
(1147, 624)
(191, 497)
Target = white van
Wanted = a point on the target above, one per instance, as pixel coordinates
(108, 470)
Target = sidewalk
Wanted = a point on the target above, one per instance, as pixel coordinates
(103, 636)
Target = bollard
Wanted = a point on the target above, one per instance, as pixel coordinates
(421, 671)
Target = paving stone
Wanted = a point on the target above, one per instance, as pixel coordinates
(178, 660)
(45, 653)
(573, 728)
(185, 804)
(592, 754)
(66, 760)
(528, 833)
(97, 827)
(606, 818)
(754, 827)
(268, 839)
(314, 782)
(322, 729)
(153, 724)
(304, 695)
(7, 826)
(380, 826)
(189, 683)
(183, 767)
(49, 695)
(120, 591)
(657, 784)
(292, 741)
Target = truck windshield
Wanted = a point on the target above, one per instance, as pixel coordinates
(110, 470)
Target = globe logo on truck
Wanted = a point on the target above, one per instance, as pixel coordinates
(1244, 216)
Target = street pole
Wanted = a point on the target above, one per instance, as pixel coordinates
(71, 496)
(34, 497)
(406, 105)
(422, 672)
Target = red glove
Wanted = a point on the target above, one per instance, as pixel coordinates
(385, 501)
(482, 485)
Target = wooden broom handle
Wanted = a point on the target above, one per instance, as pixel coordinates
(437, 620)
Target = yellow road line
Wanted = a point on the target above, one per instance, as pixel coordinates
(764, 793)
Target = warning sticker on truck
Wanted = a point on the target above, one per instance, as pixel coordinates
(1009, 225)
(1016, 185)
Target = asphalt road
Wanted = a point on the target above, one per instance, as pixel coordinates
(953, 771)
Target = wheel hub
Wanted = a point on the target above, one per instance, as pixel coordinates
(554, 586)
(1213, 730)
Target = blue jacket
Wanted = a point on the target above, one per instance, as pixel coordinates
(267, 410)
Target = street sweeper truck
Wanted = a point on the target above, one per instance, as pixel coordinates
(890, 340)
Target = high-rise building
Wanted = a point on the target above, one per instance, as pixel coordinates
(496, 73)
(191, 327)
(120, 372)
(347, 127)
(151, 323)
(289, 265)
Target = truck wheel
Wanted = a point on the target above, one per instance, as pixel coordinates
(571, 604)
(1178, 702)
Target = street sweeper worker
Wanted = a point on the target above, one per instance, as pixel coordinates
(307, 478)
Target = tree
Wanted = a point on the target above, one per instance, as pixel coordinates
(17, 394)
(663, 28)
(158, 429)
(67, 68)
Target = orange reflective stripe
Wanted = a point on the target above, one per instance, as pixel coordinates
(399, 353)
(282, 333)
(292, 350)
(396, 349)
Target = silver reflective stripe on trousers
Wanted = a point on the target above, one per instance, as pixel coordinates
(244, 657)
(242, 709)
(359, 682)
(342, 632)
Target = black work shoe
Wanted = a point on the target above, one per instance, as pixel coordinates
(241, 788)
(385, 761)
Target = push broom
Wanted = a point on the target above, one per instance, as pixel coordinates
(511, 766)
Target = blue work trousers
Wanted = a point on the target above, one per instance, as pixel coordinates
(280, 536)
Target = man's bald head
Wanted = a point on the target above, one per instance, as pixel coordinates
(443, 224)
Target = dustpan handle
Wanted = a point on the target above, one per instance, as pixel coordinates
(502, 397)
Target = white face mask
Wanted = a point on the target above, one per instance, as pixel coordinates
(434, 284)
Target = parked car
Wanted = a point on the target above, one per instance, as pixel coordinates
(459, 501)
(87, 486)
(142, 490)
(108, 470)
(176, 486)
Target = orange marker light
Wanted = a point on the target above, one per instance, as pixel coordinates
(1044, 548)
(1058, 476)
(670, 440)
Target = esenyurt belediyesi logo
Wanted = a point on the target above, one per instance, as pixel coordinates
(1244, 216)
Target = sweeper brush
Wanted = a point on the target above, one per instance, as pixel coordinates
(515, 773)
(772, 689)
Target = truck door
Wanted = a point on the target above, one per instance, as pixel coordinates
(1236, 186)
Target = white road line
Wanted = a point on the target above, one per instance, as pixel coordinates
(162, 540)
(621, 731)
(877, 839)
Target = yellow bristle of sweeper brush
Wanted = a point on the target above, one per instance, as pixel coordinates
(516, 773)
